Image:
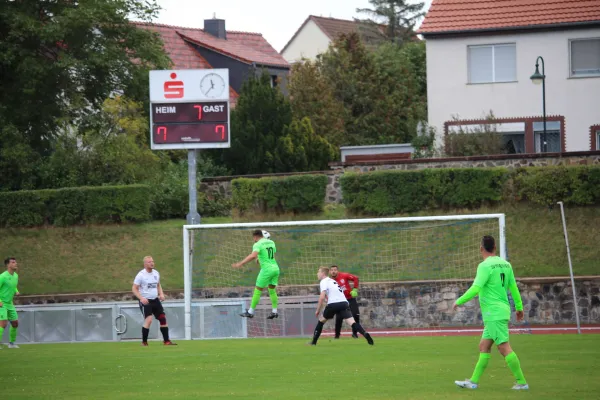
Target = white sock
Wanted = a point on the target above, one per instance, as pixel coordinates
(275, 310)
(251, 311)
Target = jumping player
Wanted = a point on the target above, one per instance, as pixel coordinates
(336, 305)
(264, 251)
(147, 288)
(343, 279)
(494, 277)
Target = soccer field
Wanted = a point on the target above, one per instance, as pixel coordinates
(556, 367)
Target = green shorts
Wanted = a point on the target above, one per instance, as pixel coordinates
(267, 277)
(496, 331)
(8, 312)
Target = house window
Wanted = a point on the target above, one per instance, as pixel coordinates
(492, 63)
(585, 57)
(553, 136)
(274, 80)
(598, 139)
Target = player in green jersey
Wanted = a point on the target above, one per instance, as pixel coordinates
(494, 277)
(263, 251)
(9, 280)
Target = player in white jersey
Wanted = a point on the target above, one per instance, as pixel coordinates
(148, 290)
(336, 305)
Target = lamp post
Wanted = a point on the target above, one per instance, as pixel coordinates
(538, 78)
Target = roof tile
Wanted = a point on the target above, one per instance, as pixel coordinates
(471, 15)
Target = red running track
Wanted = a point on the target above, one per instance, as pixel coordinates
(476, 331)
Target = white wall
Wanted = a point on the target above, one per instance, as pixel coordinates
(577, 99)
(310, 42)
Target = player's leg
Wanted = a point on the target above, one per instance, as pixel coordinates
(273, 281)
(3, 320)
(159, 313)
(13, 317)
(338, 325)
(347, 315)
(328, 313)
(355, 314)
(146, 310)
(262, 281)
(512, 361)
(485, 346)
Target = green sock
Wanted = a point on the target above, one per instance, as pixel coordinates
(255, 299)
(13, 334)
(273, 296)
(515, 367)
(484, 358)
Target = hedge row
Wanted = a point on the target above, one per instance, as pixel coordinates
(392, 192)
(71, 206)
(300, 193)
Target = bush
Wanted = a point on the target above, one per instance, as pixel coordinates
(579, 185)
(72, 206)
(300, 193)
(391, 192)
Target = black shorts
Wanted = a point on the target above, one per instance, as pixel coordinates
(353, 304)
(342, 309)
(154, 307)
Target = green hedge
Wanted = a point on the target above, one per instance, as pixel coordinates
(393, 192)
(79, 205)
(300, 193)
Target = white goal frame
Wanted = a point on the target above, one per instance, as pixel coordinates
(188, 244)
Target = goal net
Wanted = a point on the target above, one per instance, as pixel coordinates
(411, 271)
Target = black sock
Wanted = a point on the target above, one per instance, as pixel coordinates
(338, 326)
(317, 333)
(357, 319)
(145, 332)
(165, 332)
(356, 327)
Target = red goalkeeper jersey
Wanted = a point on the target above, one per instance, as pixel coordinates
(343, 279)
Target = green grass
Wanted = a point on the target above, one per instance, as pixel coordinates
(106, 258)
(556, 367)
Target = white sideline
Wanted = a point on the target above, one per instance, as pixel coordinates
(439, 331)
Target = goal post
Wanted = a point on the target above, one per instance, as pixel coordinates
(441, 251)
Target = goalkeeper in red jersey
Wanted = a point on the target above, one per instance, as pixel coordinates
(343, 280)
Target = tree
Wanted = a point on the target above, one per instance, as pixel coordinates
(301, 149)
(398, 16)
(312, 97)
(59, 60)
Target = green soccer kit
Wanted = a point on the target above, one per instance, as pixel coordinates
(269, 269)
(8, 289)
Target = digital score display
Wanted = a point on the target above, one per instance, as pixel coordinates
(190, 123)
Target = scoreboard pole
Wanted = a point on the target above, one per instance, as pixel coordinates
(193, 217)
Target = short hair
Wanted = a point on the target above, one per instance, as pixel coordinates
(488, 243)
(9, 259)
(334, 266)
(257, 232)
(145, 258)
(324, 270)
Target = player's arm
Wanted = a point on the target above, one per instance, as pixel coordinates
(514, 291)
(161, 294)
(1, 283)
(136, 291)
(354, 279)
(250, 257)
(322, 299)
(480, 280)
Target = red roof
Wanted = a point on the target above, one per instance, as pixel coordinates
(446, 16)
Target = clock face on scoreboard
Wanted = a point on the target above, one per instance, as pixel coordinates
(196, 124)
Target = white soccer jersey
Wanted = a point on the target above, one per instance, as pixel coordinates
(148, 282)
(335, 294)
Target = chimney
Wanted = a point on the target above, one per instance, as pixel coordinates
(215, 27)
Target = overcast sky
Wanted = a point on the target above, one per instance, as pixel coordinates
(275, 21)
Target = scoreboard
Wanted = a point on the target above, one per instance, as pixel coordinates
(189, 109)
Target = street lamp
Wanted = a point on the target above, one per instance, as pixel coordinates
(538, 78)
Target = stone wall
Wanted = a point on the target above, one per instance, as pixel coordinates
(333, 194)
(414, 304)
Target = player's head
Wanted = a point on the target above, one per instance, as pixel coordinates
(323, 273)
(258, 234)
(11, 263)
(488, 245)
(333, 271)
(148, 262)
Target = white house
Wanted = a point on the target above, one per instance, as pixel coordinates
(314, 36)
(481, 55)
